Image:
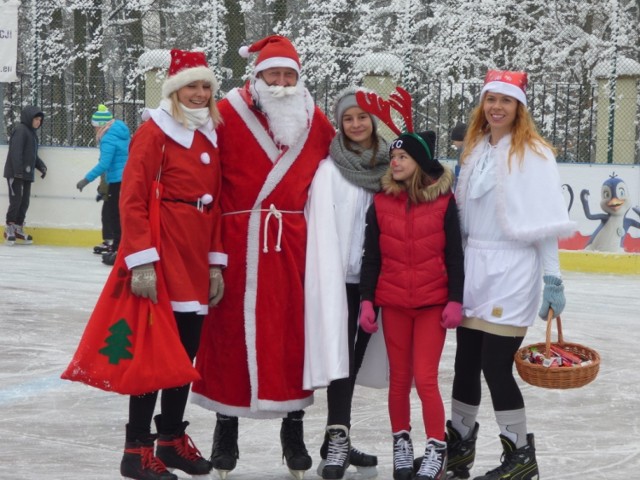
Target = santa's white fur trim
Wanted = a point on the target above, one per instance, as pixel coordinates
(277, 62)
(555, 224)
(505, 89)
(186, 76)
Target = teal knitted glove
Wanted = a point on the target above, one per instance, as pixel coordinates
(552, 296)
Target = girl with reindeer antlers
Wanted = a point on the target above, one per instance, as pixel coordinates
(413, 269)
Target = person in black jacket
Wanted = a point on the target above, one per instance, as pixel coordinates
(22, 161)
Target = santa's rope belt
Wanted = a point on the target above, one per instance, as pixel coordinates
(273, 212)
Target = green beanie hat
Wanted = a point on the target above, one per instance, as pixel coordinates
(102, 116)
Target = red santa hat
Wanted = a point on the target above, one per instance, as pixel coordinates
(187, 67)
(505, 82)
(274, 51)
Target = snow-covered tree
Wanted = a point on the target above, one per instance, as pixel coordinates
(80, 52)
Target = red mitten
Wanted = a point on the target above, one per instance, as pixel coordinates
(452, 315)
(368, 317)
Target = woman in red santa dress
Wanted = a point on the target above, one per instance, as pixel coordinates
(178, 145)
(252, 353)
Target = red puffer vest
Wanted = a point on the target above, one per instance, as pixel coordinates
(412, 240)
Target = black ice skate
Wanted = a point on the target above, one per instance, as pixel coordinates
(10, 234)
(139, 462)
(461, 453)
(364, 463)
(294, 450)
(517, 464)
(177, 451)
(434, 462)
(105, 247)
(225, 453)
(402, 456)
(338, 449)
(21, 236)
(109, 258)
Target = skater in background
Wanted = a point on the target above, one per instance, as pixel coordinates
(251, 358)
(112, 137)
(511, 234)
(412, 269)
(107, 230)
(340, 194)
(19, 170)
(177, 144)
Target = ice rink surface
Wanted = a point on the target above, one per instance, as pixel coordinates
(55, 429)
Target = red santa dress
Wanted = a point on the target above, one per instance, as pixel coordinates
(251, 353)
(189, 168)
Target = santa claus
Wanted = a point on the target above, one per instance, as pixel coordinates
(251, 358)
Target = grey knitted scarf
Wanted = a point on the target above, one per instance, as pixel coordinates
(356, 167)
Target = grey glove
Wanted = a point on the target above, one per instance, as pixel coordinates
(82, 183)
(216, 286)
(143, 282)
(552, 297)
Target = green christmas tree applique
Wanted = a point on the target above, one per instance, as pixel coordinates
(118, 342)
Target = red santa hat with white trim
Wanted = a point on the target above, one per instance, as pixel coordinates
(506, 82)
(187, 67)
(273, 51)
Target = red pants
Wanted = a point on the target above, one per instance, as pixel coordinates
(414, 340)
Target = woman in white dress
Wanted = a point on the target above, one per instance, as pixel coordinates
(512, 213)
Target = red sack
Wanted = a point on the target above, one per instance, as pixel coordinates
(130, 345)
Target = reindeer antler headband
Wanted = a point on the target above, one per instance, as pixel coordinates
(400, 101)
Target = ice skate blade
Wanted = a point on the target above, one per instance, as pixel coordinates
(223, 474)
(204, 476)
(9, 243)
(24, 242)
(360, 473)
(365, 472)
(297, 474)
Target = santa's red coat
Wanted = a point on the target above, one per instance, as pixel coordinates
(189, 169)
(252, 348)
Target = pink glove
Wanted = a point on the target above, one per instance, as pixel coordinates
(368, 317)
(451, 315)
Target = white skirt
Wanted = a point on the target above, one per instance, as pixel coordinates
(502, 282)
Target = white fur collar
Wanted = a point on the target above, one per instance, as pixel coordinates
(176, 131)
(530, 205)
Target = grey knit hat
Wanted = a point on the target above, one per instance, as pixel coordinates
(344, 101)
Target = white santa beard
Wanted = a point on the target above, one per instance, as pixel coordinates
(287, 115)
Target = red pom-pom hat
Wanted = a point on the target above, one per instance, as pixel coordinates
(187, 67)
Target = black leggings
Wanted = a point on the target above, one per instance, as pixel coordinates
(492, 355)
(112, 213)
(173, 400)
(340, 392)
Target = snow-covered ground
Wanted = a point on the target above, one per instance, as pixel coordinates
(58, 430)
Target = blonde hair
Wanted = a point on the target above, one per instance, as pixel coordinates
(415, 185)
(523, 133)
(177, 113)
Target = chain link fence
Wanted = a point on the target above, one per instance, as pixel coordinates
(594, 117)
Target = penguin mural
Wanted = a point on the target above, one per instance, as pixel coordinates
(614, 224)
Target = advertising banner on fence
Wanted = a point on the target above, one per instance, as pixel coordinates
(8, 40)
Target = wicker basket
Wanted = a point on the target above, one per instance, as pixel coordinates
(561, 377)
